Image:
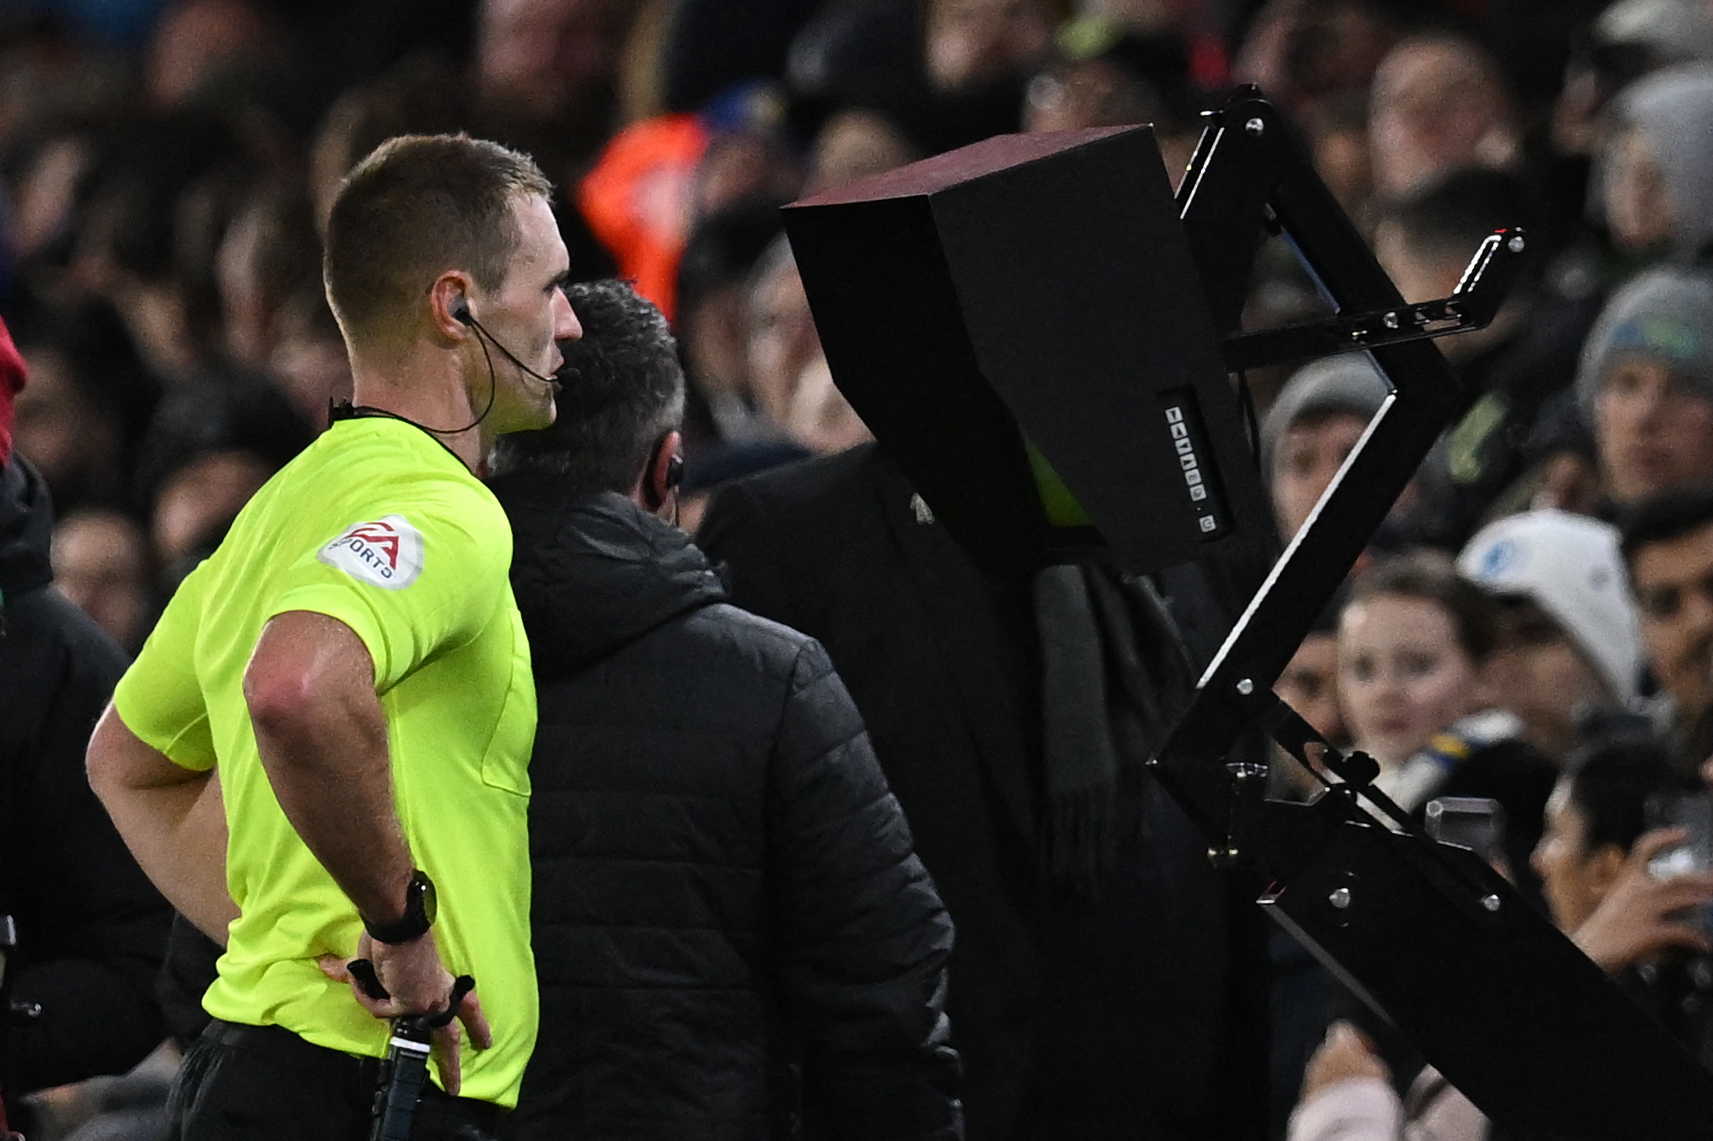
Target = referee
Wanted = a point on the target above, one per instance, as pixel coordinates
(320, 754)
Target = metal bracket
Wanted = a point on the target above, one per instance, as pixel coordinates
(1485, 283)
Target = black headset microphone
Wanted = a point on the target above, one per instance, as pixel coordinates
(460, 312)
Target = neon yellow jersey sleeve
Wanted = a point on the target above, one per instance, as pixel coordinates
(159, 698)
(411, 580)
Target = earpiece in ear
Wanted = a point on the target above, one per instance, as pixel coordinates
(674, 475)
(460, 312)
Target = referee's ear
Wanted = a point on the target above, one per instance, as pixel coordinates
(449, 313)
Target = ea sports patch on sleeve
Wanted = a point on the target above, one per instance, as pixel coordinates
(386, 552)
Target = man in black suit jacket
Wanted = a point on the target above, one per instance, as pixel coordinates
(1134, 1010)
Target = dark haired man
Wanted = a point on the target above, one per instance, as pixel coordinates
(732, 931)
(1668, 547)
(1518, 363)
(348, 675)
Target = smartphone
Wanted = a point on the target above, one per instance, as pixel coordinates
(1692, 812)
(1473, 822)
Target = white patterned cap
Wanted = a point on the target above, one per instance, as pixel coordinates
(1571, 567)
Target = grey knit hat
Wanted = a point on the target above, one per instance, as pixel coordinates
(1673, 110)
(1665, 313)
(1349, 382)
(1673, 31)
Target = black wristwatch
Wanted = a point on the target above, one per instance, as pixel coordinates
(419, 908)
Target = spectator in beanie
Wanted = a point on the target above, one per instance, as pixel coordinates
(1646, 384)
(1312, 427)
(1655, 172)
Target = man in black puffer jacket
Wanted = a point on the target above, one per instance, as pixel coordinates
(733, 935)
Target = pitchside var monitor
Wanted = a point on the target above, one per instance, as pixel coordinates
(1021, 325)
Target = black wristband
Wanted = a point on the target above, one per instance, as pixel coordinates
(418, 917)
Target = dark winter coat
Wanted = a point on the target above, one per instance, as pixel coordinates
(1139, 1016)
(91, 929)
(731, 927)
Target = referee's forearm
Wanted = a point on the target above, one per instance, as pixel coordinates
(322, 738)
(170, 818)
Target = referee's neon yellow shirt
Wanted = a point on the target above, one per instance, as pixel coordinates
(379, 526)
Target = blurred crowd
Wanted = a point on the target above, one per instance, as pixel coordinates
(1534, 624)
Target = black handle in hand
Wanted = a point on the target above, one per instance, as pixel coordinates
(402, 1078)
(406, 1066)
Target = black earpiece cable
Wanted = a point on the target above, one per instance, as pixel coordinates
(359, 411)
(463, 314)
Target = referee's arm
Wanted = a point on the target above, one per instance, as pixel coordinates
(322, 737)
(170, 817)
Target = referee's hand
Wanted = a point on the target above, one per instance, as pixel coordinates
(416, 983)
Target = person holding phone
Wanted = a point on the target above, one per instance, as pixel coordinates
(1647, 931)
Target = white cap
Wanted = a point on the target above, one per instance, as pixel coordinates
(1571, 567)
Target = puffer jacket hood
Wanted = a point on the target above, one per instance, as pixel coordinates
(26, 529)
(593, 573)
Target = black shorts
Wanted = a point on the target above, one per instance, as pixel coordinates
(264, 1083)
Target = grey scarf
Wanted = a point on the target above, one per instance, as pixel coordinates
(1114, 674)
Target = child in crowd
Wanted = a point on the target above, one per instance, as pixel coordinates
(1413, 641)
